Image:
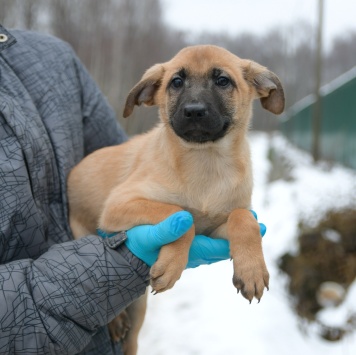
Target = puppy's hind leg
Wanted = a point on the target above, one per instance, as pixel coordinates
(136, 312)
(126, 326)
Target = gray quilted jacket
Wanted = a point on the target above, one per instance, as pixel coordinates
(56, 294)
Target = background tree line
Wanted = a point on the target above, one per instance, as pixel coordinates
(119, 39)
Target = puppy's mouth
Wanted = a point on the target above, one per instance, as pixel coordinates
(198, 133)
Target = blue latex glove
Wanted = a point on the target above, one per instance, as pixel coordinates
(145, 241)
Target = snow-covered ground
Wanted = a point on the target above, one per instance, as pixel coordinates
(203, 315)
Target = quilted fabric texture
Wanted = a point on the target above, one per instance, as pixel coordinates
(56, 294)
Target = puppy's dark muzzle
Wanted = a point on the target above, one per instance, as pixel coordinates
(195, 123)
(195, 112)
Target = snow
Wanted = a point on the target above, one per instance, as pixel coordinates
(202, 314)
(338, 315)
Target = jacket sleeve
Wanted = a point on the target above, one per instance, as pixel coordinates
(55, 304)
(100, 125)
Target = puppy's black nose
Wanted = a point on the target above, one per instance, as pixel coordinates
(195, 111)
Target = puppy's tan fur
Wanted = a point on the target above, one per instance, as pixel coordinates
(158, 173)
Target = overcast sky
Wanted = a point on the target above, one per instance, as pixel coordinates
(257, 16)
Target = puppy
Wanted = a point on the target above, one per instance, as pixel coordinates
(196, 159)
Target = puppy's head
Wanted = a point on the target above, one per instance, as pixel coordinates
(206, 92)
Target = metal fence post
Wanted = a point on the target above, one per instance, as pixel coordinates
(317, 111)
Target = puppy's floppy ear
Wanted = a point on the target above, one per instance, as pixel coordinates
(144, 91)
(267, 85)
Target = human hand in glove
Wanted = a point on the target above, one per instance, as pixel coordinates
(145, 241)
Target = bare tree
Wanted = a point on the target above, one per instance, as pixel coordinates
(119, 39)
(341, 57)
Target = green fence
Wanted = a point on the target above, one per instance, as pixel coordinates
(338, 125)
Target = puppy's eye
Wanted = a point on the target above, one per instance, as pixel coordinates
(177, 83)
(222, 81)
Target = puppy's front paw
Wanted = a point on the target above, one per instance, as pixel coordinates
(164, 274)
(119, 327)
(250, 276)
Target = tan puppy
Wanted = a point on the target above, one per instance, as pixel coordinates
(197, 159)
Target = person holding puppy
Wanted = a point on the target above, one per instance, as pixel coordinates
(57, 295)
